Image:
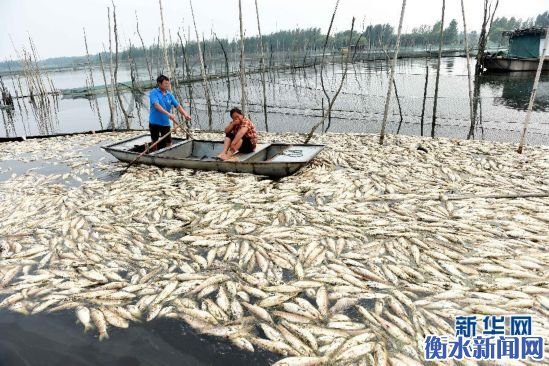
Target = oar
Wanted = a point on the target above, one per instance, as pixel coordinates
(151, 147)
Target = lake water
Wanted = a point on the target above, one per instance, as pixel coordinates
(55, 339)
(295, 101)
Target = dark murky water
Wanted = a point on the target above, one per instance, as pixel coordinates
(55, 339)
(295, 101)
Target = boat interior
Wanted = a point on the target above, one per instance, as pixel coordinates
(204, 150)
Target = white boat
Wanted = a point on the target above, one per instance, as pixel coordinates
(269, 159)
(525, 50)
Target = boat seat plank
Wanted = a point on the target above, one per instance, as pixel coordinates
(258, 148)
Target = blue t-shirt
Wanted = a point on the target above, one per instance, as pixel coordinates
(166, 101)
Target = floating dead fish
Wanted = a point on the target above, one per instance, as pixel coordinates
(353, 264)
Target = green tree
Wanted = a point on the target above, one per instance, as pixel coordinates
(542, 20)
(451, 33)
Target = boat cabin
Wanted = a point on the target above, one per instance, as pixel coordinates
(526, 43)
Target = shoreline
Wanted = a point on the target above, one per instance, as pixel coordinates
(4, 140)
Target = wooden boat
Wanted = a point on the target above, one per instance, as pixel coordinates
(273, 160)
(501, 63)
(524, 52)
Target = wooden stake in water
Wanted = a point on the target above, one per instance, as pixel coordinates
(203, 71)
(534, 91)
(392, 76)
(243, 97)
(262, 62)
(120, 104)
(435, 100)
(147, 61)
(468, 64)
(165, 50)
(424, 96)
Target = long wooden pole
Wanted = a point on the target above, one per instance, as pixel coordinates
(203, 72)
(165, 50)
(424, 96)
(115, 30)
(243, 97)
(109, 98)
(149, 148)
(92, 83)
(262, 62)
(149, 66)
(392, 76)
(114, 109)
(435, 100)
(328, 99)
(332, 101)
(534, 91)
(468, 64)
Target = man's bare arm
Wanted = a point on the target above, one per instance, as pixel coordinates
(183, 112)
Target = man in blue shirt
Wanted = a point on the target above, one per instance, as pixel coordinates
(162, 101)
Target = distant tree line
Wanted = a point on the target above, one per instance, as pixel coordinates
(310, 40)
(505, 24)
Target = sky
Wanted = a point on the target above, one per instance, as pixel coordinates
(56, 26)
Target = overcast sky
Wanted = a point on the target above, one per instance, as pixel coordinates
(56, 25)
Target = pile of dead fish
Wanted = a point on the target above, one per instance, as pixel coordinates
(351, 261)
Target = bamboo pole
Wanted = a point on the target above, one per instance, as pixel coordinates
(91, 79)
(328, 99)
(487, 21)
(392, 76)
(396, 95)
(115, 30)
(188, 73)
(243, 97)
(147, 61)
(109, 99)
(331, 104)
(424, 97)
(165, 50)
(113, 110)
(468, 64)
(441, 42)
(534, 92)
(227, 71)
(262, 64)
(203, 72)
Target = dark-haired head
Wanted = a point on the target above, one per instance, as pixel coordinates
(161, 79)
(235, 110)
